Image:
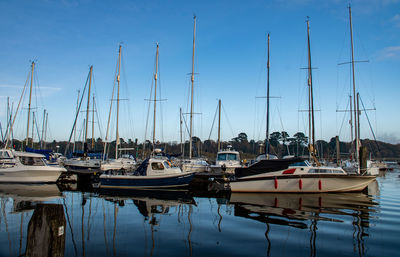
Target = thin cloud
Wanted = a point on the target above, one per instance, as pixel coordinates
(10, 86)
(14, 91)
(389, 53)
(396, 20)
(41, 87)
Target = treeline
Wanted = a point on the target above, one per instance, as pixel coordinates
(281, 144)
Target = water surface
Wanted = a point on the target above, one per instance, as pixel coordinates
(42, 219)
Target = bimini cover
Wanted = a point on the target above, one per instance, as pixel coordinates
(264, 166)
(142, 170)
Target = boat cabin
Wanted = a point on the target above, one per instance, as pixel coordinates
(156, 166)
(9, 157)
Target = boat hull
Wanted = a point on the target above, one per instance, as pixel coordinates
(40, 174)
(143, 182)
(302, 183)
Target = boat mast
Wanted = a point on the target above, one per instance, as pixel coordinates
(351, 119)
(29, 104)
(180, 129)
(77, 111)
(219, 125)
(155, 99)
(310, 100)
(45, 131)
(93, 122)
(356, 122)
(33, 127)
(118, 80)
(43, 128)
(87, 110)
(267, 130)
(191, 95)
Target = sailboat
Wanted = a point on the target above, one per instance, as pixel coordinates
(83, 164)
(228, 159)
(156, 172)
(120, 162)
(294, 175)
(354, 166)
(193, 164)
(25, 167)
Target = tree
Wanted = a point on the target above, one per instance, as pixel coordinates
(274, 138)
(300, 139)
(242, 137)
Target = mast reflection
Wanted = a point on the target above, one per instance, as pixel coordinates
(151, 205)
(304, 211)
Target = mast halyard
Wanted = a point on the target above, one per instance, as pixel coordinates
(29, 104)
(155, 99)
(118, 84)
(267, 130)
(191, 95)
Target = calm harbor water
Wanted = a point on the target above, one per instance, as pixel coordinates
(42, 219)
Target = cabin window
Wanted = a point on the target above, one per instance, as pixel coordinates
(166, 164)
(325, 171)
(31, 161)
(227, 157)
(298, 164)
(157, 166)
(4, 155)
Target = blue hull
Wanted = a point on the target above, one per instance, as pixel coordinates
(136, 182)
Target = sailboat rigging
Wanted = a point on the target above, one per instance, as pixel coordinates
(119, 163)
(294, 175)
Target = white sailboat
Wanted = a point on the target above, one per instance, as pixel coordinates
(83, 165)
(354, 165)
(293, 175)
(193, 164)
(25, 167)
(125, 163)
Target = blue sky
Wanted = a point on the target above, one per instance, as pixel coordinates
(66, 37)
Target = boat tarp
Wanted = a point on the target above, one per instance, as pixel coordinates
(91, 154)
(142, 169)
(264, 166)
(45, 152)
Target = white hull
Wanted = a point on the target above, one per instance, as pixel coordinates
(82, 166)
(40, 174)
(302, 184)
(119, 164)
(24, 167)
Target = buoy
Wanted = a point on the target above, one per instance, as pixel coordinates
(276, 183)
(300, 184)
(319, 184)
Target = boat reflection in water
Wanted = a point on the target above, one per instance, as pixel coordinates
(303, 212)
(26, 196)
(44, 235)
(153, 205)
